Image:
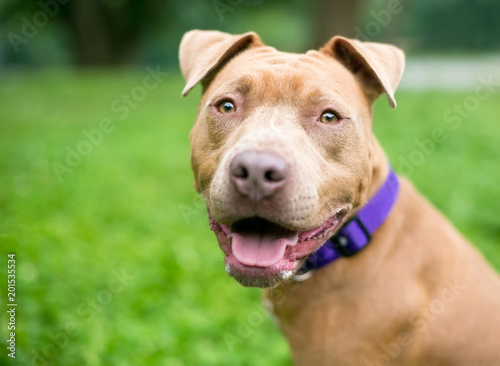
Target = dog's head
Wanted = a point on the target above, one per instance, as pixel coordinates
(282, 149)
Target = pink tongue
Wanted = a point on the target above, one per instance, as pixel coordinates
(253, 249)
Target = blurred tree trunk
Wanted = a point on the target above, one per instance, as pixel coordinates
(101, 32)
(335, 17)
(94, 38)
(107, 32)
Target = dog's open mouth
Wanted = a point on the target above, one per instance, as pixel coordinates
(261, 253)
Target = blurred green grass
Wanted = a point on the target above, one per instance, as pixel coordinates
(129, 207)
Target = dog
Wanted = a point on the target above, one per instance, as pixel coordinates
(359, 269)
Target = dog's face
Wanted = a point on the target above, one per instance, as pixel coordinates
(282, 149)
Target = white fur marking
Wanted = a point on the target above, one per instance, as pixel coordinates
(286, 274)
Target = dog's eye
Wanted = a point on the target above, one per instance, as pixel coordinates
(226, 106)
(329, 117)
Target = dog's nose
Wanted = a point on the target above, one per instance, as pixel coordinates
(258, 174)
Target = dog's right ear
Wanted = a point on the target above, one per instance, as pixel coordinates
(204, 51)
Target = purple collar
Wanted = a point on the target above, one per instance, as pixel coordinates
(356, 234)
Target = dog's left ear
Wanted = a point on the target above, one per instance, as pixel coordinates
(379, 66)
(202, 52)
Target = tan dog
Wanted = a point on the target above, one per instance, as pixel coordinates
(284, 155)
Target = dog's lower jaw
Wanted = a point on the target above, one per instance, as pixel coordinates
(249, 270)
(262, 277)
(264, 282)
